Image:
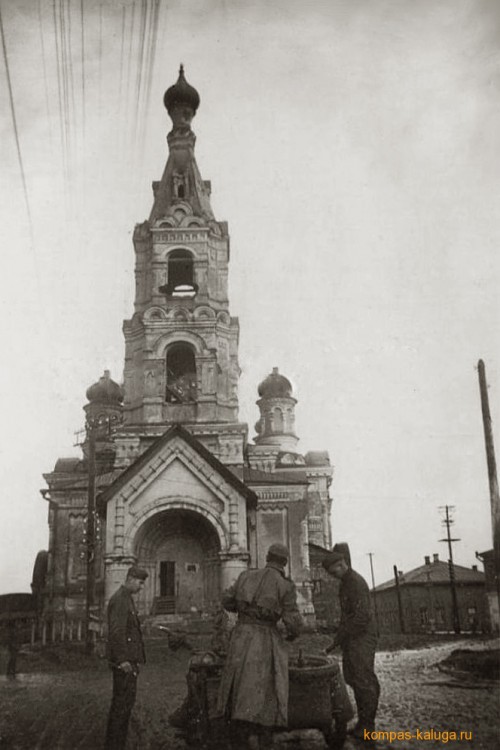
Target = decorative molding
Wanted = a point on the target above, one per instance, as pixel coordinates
(175, 503)
(162, 342)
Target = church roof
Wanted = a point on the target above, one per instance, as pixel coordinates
(78, 479)
(255, 476)
(68, 465)
(177, 430)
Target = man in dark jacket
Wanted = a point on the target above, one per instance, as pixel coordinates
(125, 653)
(357, 637)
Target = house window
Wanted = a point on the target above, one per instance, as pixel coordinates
(181, 374)
(440, 616)
(180, 275)
(424, 616)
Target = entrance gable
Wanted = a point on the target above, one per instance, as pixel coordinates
(176, 470)
(179, 476)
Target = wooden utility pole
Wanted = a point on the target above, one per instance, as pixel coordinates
(492, 472)
(448, 521)
(400, 603)
(90, 536)
(370, 555)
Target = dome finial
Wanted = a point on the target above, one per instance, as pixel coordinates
(181, 70)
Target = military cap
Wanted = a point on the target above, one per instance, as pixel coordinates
(278, 550)
(332, 558)
(136, 572)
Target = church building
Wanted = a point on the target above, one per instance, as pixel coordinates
(179, 488)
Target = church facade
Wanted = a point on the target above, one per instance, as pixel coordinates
(179, 489)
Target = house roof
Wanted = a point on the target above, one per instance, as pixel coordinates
(435, 572)
(176, 430)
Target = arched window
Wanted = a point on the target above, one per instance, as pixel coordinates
(180, 275)
(181, 374)
(278, 420)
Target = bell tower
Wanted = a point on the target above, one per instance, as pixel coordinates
(181, 344)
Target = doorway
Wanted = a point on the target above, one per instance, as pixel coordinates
(167, 578)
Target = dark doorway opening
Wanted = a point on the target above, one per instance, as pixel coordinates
(167, 578)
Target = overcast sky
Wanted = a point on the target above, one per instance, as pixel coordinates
(353, 148)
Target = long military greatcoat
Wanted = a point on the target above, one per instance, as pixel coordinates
(254, 684)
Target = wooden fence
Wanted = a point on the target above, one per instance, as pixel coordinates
(43, 631)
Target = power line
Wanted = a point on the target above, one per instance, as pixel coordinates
(66, 88)
(152, 55)
(99, 103)
(138, 76)
(122, 53)
(149, 62)
(59, 93)
(70, 66)
(129, 71)
(44, 68)
(82, 44)
(16, 131)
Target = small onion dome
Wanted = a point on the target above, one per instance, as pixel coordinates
(181, 93)
(275, 386)
(317, 458)
(105, 391)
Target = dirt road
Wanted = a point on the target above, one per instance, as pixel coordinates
(63, 706)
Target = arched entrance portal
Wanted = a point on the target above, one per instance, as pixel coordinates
(180, 549)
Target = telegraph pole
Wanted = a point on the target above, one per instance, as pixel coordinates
(448, 521)
(492, 472)
(370, 555)
(90, 535)
(400, 602)
(96, 428)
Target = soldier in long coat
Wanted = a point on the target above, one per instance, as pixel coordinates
(125, 653)
(357, 637)
(254, 686)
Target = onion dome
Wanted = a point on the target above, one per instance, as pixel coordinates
(181, 93)
(105, 391)
(317, 458)
(275, 386)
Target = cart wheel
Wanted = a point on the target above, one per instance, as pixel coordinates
(335, 737)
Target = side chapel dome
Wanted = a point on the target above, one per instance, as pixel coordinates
(105, 391)
(275, 386)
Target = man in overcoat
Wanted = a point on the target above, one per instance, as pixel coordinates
(357, 637)
(253, 692)
(125, 653)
